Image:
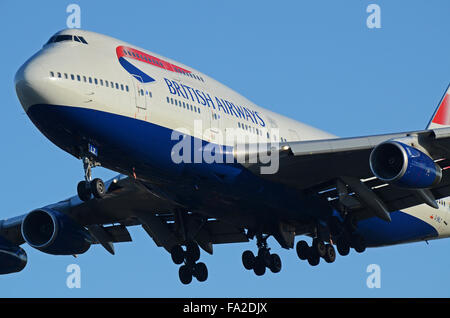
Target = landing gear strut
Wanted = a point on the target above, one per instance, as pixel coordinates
(190, 268)
(263, 260)
(90, 187)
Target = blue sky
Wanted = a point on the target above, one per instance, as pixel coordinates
(315, 61)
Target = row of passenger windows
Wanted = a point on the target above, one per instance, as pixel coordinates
(251, 129)
(257, 131)
(185, 105)
(90, 80)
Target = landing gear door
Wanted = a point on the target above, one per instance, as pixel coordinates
(139, 92)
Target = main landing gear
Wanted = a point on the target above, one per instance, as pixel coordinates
(189, 258)
(263, 260)
(345, 237)
(89, 187)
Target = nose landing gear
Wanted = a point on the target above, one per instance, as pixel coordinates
(89, 187)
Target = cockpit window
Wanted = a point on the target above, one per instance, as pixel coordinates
(83, 40)
(66, 37)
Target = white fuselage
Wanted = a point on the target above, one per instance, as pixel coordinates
(91, 76)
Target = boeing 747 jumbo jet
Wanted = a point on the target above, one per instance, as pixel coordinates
(201, 165)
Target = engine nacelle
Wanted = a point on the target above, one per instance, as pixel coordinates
(55, 233)
(397, 163)
(12, 258)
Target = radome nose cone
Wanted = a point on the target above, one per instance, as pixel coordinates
(28, 80)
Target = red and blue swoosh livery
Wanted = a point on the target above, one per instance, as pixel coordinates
(124, 53)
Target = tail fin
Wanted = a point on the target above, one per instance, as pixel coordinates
(441, 116)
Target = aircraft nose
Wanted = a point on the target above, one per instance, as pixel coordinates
(29, 83)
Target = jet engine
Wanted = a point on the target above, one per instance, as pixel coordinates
(12, 258)
(55, 233)
(399, 164)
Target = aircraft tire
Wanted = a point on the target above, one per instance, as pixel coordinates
(185, 274)
(192, 252)
(358, 243)
(302, 250)
(330, 255)
(248, 260)
(319, 247)
(177, 254)
(260, 266)
(275, 266)
(313, 258)
(343, 246)
(200, 272)
(98, 188)
(83, 191)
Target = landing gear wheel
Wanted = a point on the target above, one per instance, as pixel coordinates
(177, 254)
(185, 274)
(83, 191)
(343, 246)
(275, 266)
(313, 258)
(200, 272)
(302, 250)
(192, 252)
(248, 260)
(98, 188)
(358, 243)
(264, 254)
(319, 247)
(330, 253)
(260, 266)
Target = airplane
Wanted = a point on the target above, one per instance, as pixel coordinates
(161, 126)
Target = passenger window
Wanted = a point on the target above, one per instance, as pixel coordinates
(117, 86)
(121, 87)
(101, 82)
(126, 87)
(52, 74)
(106, 83)
(95, 81)
(59, 75)
(84, 79)
(72, 77)
(65, 76)
(78, 78)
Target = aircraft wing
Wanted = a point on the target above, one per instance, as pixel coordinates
(131, 203)
(339, 170)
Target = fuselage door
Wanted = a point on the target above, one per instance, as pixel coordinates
(139, 92)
